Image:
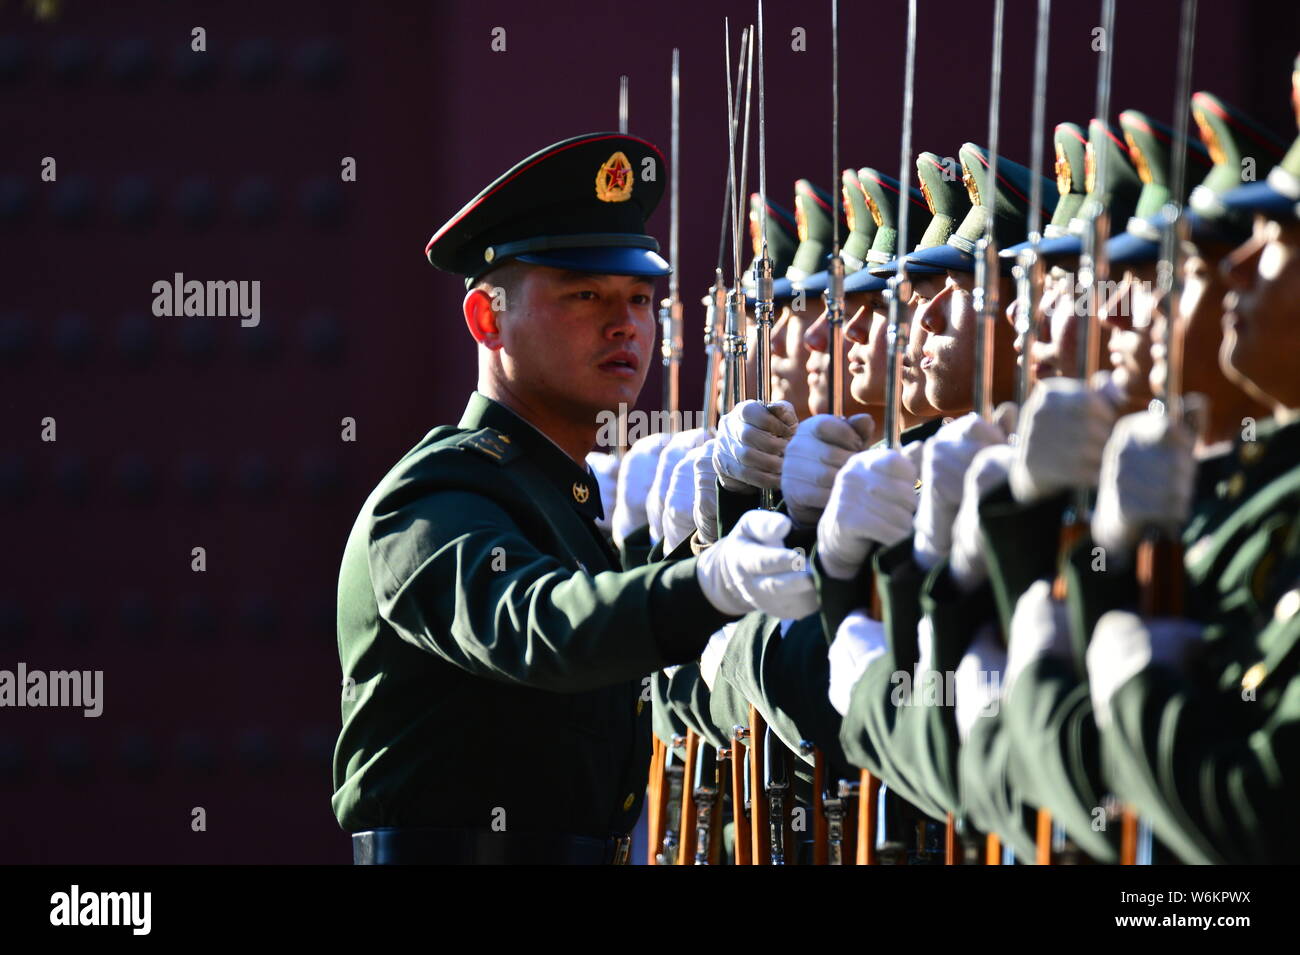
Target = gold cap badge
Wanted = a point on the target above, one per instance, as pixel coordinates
(1140, 161)
(614, 179)
(1210, 138)
(972, 187)
(1064, 174)
(800, 218)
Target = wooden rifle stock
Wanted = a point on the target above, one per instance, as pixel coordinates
(758, 817)
(740, 816)
(686, 854)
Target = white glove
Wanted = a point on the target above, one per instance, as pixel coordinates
(605, 467)
(1147, 478)
(634, 480)
(819, 448)
(751, 445)
(679, 517)
(704, 509)
(1039, 627)
(978, 681)
(943, 469)
(676, 449)
(711, 656)
(873, 499)
(1123, 645)
(1063, 430)
(858, 642)
(751, 569)
(988, 470)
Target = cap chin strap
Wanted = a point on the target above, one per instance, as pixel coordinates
(586, 240)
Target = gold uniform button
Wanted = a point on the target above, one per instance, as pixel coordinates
(1288, 606)
(640, 705)
(627, 803)
(1254, 676)
(1236, 484)
(1250, 452)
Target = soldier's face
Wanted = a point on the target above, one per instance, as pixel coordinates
(789, 360)
(1199, 320)
(1056, 350)
(948, 356)
(1261, 327)
(817, 338)
(579, 342)
(867, 358)
(924, 288)
(1130, 315)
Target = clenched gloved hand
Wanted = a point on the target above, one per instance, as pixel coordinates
(820, 447)
(752, 440)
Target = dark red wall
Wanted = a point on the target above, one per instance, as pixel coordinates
(221, 688)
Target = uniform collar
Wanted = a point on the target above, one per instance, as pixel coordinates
(577, 483)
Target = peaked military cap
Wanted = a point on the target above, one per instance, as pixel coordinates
(1235, 142)
(813, 208)
(782, 238)
(1071, 166)
(580, 204)
(1071, 148)
(947, 203)
(1150, 143)
(1278, 196)
(1123, 187)
(883, 194)
(878, 195)
(862, 222)
(1007, 202)
(782, 242)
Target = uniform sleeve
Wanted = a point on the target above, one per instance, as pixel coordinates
(1215, 773)
(990, 799)
(927, 739)
(869, 733)
(1022, 544)
(1049, 720)
(455, 576)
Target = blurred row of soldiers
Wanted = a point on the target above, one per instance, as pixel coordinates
(1066, 632)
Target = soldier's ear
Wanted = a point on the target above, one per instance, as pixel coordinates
(481, 317)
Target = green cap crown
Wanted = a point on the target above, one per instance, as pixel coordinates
(862, 224)
(782, 239)
(1123, 182)
(1007, 203)
(945, 196)
(813, 209)
(1071, 176)
(882, 198)
(1236, 144)
(1150, 146)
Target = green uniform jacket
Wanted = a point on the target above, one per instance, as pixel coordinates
(493, 656)
(1210, 754)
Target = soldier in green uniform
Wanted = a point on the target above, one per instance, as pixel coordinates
(486, 634)
(1198, 719)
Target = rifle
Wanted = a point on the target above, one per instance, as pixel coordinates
(869, 791)
(670, 309)
(1160, 553)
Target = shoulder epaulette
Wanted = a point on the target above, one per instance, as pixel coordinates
(490, 443)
